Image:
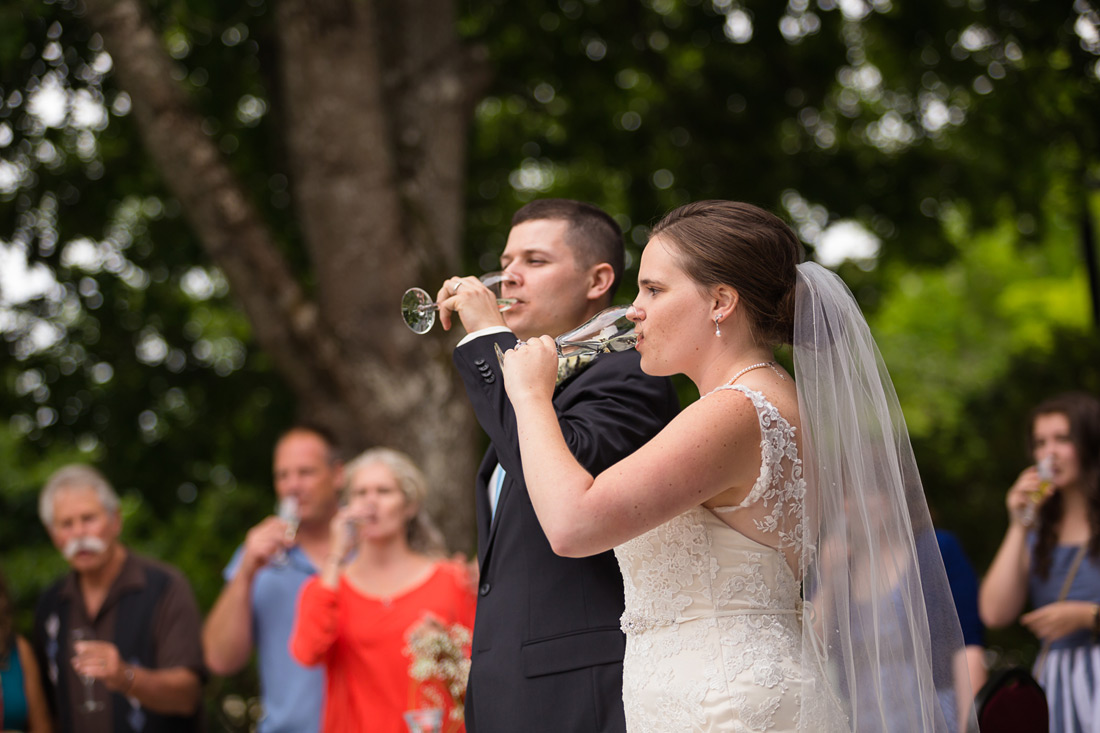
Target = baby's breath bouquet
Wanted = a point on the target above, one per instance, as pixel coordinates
(440, 654)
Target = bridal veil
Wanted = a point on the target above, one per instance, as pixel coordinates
(880, 629)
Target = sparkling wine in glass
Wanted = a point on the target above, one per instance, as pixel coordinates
(1046, 483)
(288, 512)
(418, 309)
(608, 331)
(90, 704)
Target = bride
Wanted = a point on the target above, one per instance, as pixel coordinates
(779, 566)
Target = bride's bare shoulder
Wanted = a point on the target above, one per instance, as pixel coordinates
(774, 390)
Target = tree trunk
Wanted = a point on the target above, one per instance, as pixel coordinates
(378, 99)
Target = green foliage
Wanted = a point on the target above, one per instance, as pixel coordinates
(951, 330)
(135, 359)
(967, 468)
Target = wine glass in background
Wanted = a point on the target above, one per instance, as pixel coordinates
(610, 330)
(90, 704)
(1045, 468)
(418, 309)
(352, 529)
(288, 512)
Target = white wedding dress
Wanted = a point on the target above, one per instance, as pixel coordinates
(713, 618)
(717, 638)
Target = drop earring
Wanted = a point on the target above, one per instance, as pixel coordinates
(717, 330)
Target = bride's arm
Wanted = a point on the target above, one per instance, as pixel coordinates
(711, 447)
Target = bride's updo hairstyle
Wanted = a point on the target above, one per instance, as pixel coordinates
(742, 246)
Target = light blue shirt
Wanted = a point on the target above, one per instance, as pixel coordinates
(292, 695)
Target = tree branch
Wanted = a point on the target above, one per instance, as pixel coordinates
(287, 324)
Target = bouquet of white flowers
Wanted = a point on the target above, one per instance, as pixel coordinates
(440, 654)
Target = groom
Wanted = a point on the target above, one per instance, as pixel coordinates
(547, 649)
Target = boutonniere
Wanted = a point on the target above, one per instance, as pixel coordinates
(571, 366)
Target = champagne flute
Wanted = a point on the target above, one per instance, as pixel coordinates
(608, 331)
(1046, 483)
(288, 512)
(90, 704)
(418, 309)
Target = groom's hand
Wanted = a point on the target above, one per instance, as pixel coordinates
(475, 304)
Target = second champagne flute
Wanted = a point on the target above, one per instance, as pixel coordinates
(608, 331)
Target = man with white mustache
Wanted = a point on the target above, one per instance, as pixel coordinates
(143, 656)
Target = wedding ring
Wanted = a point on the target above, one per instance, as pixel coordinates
(455, 287)
(519, 343)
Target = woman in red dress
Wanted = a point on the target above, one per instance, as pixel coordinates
(385, 577)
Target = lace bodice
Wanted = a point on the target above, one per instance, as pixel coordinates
(713, 616)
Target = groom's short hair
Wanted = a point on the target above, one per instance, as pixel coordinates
(592, 234)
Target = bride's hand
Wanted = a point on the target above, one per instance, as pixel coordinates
(531, 369)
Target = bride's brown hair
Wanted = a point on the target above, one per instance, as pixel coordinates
(745, 247)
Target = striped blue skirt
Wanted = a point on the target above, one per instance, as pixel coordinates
(1071, 679)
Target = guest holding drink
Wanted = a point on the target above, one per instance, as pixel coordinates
(117, 637)
(255, 610)
(384, 576)
(23, 702)
(1050, 556)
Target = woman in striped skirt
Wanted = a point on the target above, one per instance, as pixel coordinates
(1050, 556)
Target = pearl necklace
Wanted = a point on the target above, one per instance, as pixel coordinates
(737, 376)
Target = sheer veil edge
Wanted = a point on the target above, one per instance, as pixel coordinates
(880, 635)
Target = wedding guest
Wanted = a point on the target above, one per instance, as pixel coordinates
(22, 699)
(963, 582)
(117, 638)
(385, 575)
(547, 631)
(768, 536)
(1050, 557)
(263, 579)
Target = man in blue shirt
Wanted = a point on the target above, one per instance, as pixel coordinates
(257, 605)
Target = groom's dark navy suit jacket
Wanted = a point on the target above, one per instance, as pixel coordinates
(547, 649)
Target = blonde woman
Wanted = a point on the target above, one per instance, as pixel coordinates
(386, 574)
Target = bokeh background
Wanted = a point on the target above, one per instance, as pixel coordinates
(209, 211)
